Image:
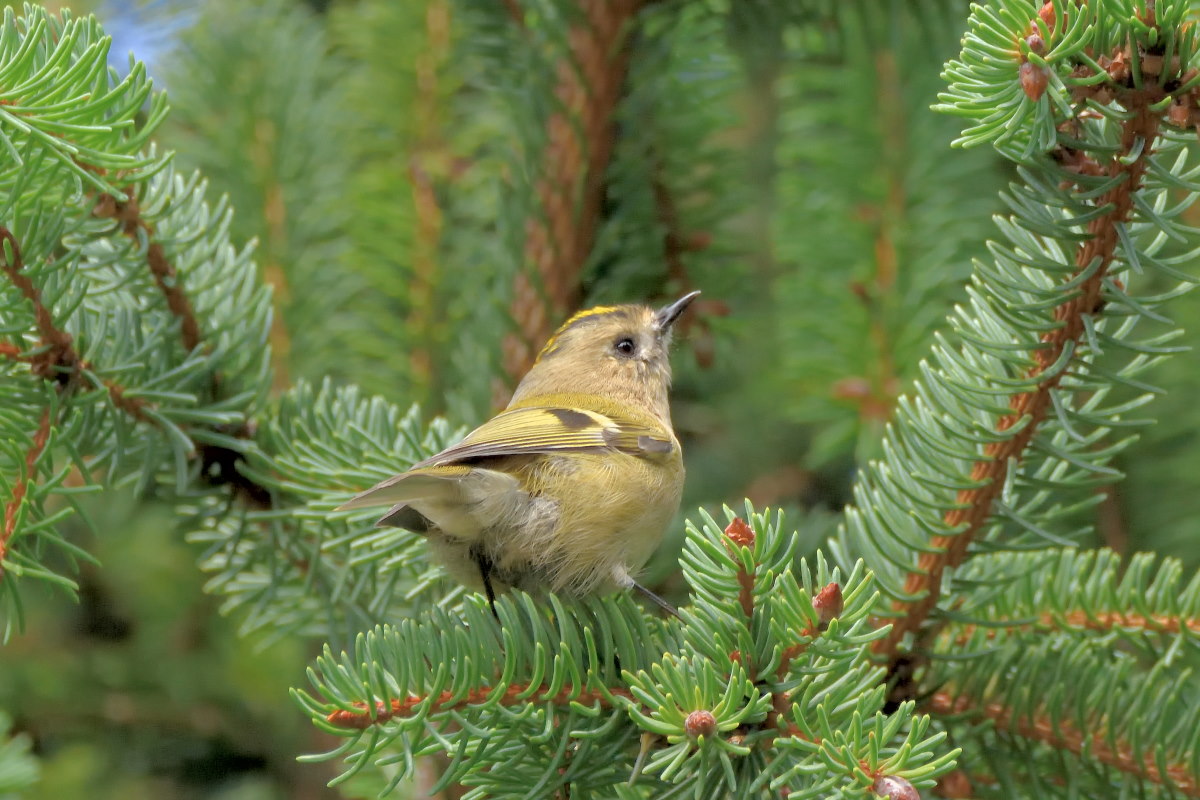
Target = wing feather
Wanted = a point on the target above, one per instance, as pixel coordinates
(529, 430)
(550, 429)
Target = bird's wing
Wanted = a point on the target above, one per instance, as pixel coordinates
(551, 429)
(522, 431)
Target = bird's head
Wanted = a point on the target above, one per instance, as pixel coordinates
(619, 353)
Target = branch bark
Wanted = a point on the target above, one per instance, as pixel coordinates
(973, 507)
(1061, 733)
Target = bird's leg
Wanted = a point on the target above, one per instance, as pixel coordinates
(658, 601)
(485, 571)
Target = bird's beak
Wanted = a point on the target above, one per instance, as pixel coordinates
(666, 316)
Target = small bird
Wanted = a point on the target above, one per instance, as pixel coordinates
(570, 488)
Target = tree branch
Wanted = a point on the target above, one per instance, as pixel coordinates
(1081, 620)
(973, 506)
(515, 694)
(1060, 732)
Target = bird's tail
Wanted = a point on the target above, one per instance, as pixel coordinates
(404, 488)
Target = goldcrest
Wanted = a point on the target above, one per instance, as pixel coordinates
(570, 488)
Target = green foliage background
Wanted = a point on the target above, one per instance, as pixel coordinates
(838, 230)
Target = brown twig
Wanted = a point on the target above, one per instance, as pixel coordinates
(21, 487)
(1061, 732)
(579, 142)
(361, 718)
(60, 352)
(219, 464)
(973, 506)
(1084, 620)
(12, 352)
(59, 361)
(128, 214)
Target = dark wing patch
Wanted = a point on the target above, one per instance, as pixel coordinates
(652, 444)
(571, 419)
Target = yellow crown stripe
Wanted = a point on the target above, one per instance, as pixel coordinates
(579, 316)
(597, 311)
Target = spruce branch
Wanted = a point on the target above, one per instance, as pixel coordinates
(517, 694)
(1096, 621)
(1116, 750)
(974, 505)
(1014, 407)
(866, 158)
(131, 323)
(1089, 595)
(263, 109)
(1031, 655)
(220, 462)
(780, 697)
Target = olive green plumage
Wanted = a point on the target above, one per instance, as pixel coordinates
(571, 487)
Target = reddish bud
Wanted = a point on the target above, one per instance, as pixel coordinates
(1118, 70)
(1179, 115)
(894, 787)
(828, 604)
(1047, 15)
(736, 656)
(1034, 80)
(700, 723)
(1036, 43)
(740, 533)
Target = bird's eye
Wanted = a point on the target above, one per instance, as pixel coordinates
(625, 346)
